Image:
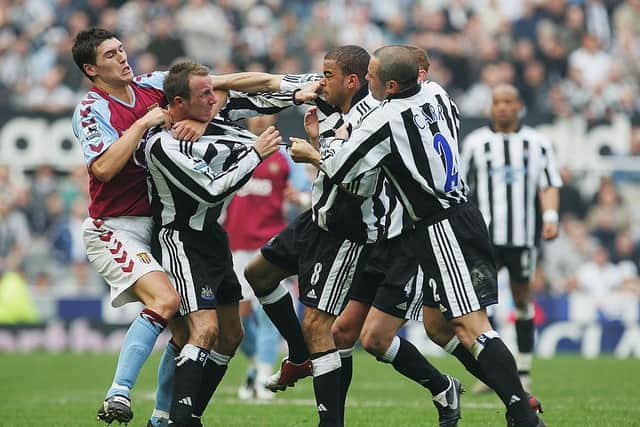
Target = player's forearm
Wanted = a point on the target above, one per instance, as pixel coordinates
(111, 162)
(250, 82)
(549, 202)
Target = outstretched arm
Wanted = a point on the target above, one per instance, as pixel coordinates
(254, 82)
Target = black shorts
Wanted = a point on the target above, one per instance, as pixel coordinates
(458, 262)
(392, 278)
(519, 260)
(200, 267)
(326, 264)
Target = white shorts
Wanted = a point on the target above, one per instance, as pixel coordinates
(120, 250)
(240, 261)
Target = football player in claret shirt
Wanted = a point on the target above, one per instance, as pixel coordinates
(109, 122)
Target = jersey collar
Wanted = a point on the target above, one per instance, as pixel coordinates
(409, 92)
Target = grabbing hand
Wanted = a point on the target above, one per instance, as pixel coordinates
(157, 117)
(268, 142)
(303, 152)
(188, 130)
(307, 93)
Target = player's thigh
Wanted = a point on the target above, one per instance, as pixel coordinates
(156, 292)
(263, 275)
(458, 263)
(329, 265)
(279, 257)
(120, 251)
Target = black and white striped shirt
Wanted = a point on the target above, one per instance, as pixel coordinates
(378, 213)
(413, 137)
(190, 181)
(505, 172)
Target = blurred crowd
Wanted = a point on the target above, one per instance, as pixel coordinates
(567, 57)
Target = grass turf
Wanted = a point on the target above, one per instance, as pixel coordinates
(64, 390)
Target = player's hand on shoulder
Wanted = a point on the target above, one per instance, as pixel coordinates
(157, 117)
(188, 130)
(268, 142)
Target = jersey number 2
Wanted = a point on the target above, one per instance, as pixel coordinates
(441, 145)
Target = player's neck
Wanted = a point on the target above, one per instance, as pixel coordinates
(176, 115)
(122, 92)
(510, 128)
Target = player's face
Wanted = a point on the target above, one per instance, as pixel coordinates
(376, 86)
(202, 99)
(111, 63)
(334, 83)
(505, 107)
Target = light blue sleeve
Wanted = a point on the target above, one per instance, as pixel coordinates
(154, 80)
(91, 124)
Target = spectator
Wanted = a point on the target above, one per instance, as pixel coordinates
(164, 45)
(563, 256)
(609, 215)
(14, 236)
(203, 26)
(605, 289)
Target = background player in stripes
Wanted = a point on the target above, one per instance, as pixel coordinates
(191, 181)
(507, 167)
(412, 138)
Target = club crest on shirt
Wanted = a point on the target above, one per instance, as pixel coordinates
(199, 164)
(144, 257)
(207, 294)
(91, 131)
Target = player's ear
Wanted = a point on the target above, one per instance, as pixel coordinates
(90, 70)
(353, 81)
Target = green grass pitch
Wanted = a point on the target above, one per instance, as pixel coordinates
(64, 390)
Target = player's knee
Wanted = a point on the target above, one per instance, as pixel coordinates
(375, 343)
(344, 335)
(203, 334)
(439, 334)
(259, 281)
(166, 304)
